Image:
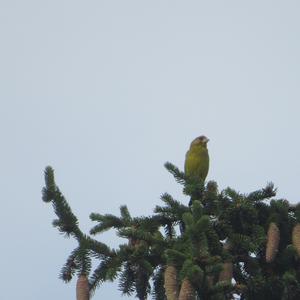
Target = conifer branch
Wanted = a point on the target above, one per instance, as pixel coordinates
(268, 192)
(178, 175)
(67, 222)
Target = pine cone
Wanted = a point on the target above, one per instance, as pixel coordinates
(170, 283)
(82, 288)
(227, 272)
(273, 237)
(296, 238)
(187, 291)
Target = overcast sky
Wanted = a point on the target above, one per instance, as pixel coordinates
(107, 91)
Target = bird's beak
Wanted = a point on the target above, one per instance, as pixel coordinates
(207, 140)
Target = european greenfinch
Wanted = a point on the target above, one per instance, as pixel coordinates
(197, 159)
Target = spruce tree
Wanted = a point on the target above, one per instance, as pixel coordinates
(221, 245)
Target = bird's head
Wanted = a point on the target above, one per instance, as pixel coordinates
(201, 140)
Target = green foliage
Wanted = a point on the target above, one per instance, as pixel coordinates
(67, 222)
(106, 222)
(216, 227)
(192, 271)
(158, 292)
(69, 269)
(126, 280)
(107, 270)
(263, 194)
(179, 176)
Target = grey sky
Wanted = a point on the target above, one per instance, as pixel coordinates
(107, 91)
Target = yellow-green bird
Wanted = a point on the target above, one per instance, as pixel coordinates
(197, 159)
